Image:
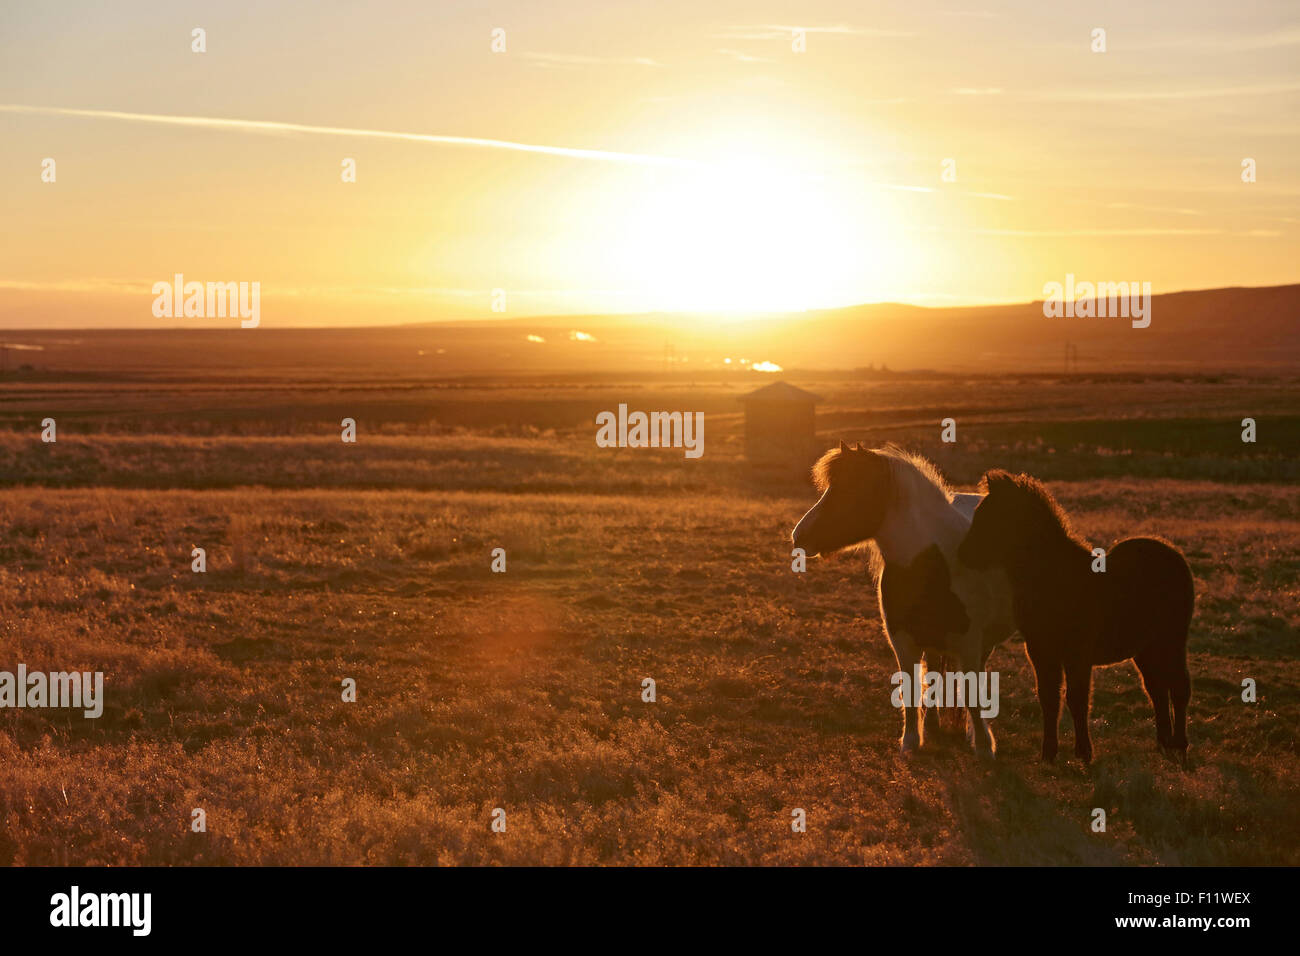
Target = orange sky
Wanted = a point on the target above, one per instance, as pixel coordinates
(687, 157)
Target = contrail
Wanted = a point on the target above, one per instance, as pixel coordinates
(269, 126)
(272, 126)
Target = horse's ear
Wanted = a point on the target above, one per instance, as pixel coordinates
(860, 448)
(844, 447)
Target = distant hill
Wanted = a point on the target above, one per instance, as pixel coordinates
(1205, 331)
(1213, 328)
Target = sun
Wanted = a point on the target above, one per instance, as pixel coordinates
(745, 235)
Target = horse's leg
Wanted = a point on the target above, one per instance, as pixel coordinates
(970, 660)
(1047, 675)
(908, 656)
(1156, 684)
(930, 715)
(1078, 696)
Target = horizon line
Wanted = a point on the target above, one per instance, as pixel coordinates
(615, 315)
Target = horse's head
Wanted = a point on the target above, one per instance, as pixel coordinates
(856, 489)
(1007, 522)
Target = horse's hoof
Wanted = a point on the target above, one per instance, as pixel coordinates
(908, 743)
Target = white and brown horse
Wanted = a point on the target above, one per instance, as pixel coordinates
(932, 606)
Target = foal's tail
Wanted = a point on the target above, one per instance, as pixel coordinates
(1187, 592)
(1154, 586)
(1166, 595)
(1181, 589)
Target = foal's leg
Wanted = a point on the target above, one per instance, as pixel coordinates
(1182, 694)
(1047, 674)
(1078, 695)
(1156, 684)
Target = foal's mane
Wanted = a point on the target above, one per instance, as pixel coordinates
(1033, 500)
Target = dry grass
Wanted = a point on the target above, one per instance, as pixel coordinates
(522, 690)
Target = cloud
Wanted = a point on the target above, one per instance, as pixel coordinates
(574, 60)
(123, 286)
(776, 31)
(1099, 96)
(899, 187)
(269, 126)
(145, 287)
(1071, 233)
(744, 57)
(1288, 36)
(1174, 209)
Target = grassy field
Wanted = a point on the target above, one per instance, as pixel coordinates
(522, 690)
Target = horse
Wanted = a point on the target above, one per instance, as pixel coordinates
(1137, 605)
(930, 606)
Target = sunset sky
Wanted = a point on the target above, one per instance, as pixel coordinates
(688, 158)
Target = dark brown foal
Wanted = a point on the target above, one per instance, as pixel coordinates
(1074, 618)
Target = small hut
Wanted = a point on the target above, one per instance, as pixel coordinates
(779, 425)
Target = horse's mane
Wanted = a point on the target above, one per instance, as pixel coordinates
(1034, 500)
(900, 461)
(919, 463)
(822, 469)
